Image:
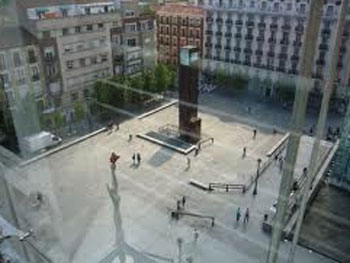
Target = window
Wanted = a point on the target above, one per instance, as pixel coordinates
(87, 10)
(46, 34)
(94, 60)
(65, 31)
(64, 12)
(31, 56)
(35, 73)
(289, 6)
(74, 96)
(3, 64)
(20, 77)
(131, 42)
(89, 28)
(70, 64)
(77, 29)
(102, 41)
(263, 5)
(302, 8)
(104, 58)
(67, 48)
(276, 7)
(101, 25)
(17, 59)
(82, 62)
(129, 13)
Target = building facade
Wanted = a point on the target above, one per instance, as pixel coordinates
(75, 44)
(178, 25)
(20, 66)
(263, 39)
(133, 39)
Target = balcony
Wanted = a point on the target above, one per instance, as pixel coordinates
(250, 24)
(228, 48)
(237, 35)
(283, 56)
(284, 42)
(261, 25)
(271, 54)
(210, 20)
(273, 26)
(35, 77)
(248, 51)
(323, 46)
(260, 39)
(297, 43)
(286, 27)
(249, 37)
(326, 31)
(295, 57)
(239, 23)
(237, 49)
(32, 59)
(320, 62)
(229, 22)
(218, 34)
(299, 28)
(259, 52)
(210, 45)
(272, 40)
(219, 20)
(218, 46)
(228, 34)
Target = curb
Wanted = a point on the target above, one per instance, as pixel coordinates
(62, 147)
(157, 109)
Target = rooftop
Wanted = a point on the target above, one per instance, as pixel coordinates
(44, 3)
(178, 8)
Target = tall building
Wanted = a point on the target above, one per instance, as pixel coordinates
(263, 39)
(178, 25)
(133, 39)
(75, 44)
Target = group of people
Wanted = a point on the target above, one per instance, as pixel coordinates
(180, 204)
(239, 215)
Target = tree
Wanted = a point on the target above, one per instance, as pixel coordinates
(161, 78)
(79, 111)
(58, 120)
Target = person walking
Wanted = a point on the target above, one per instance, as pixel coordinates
(195, 235)
(188, 163)
(183, 200)
(246, 216)
(244, 152)
(254, 134)
(281, 163)
(178, 205)
(238, 215)
(133, 159)
(138, 156)
(130, 137)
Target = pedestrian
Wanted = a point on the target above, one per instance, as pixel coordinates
(178, 205)
(188, 163)
(244, 152)
(254, 134)
(133, 158)
(130, 137)
(195, 235)
(183, 201)
(138, 156)
(238, 215)
(246, 216)
(281, 163)
(116, 126)
(196, 151)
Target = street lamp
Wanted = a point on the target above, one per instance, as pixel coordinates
(255, 191)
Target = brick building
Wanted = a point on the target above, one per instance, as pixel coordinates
(178, 25)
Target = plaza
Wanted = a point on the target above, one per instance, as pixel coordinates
(75, 222)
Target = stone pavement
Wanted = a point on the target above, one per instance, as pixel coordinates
(78, 221)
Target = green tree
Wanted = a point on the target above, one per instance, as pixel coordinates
(58, 120)
(161, 78)
(79, 111)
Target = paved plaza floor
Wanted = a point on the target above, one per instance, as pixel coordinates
(78, 209)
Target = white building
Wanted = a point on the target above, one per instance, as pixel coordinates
(264, 39)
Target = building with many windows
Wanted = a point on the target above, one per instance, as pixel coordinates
(264, 39)
(178, 25)
(20, 66)
(75, 44)
(133, 39)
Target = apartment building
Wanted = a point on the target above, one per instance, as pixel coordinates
(75, 44)
(178, 25)
(264, 39)
(133, 39)
(20, 66)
